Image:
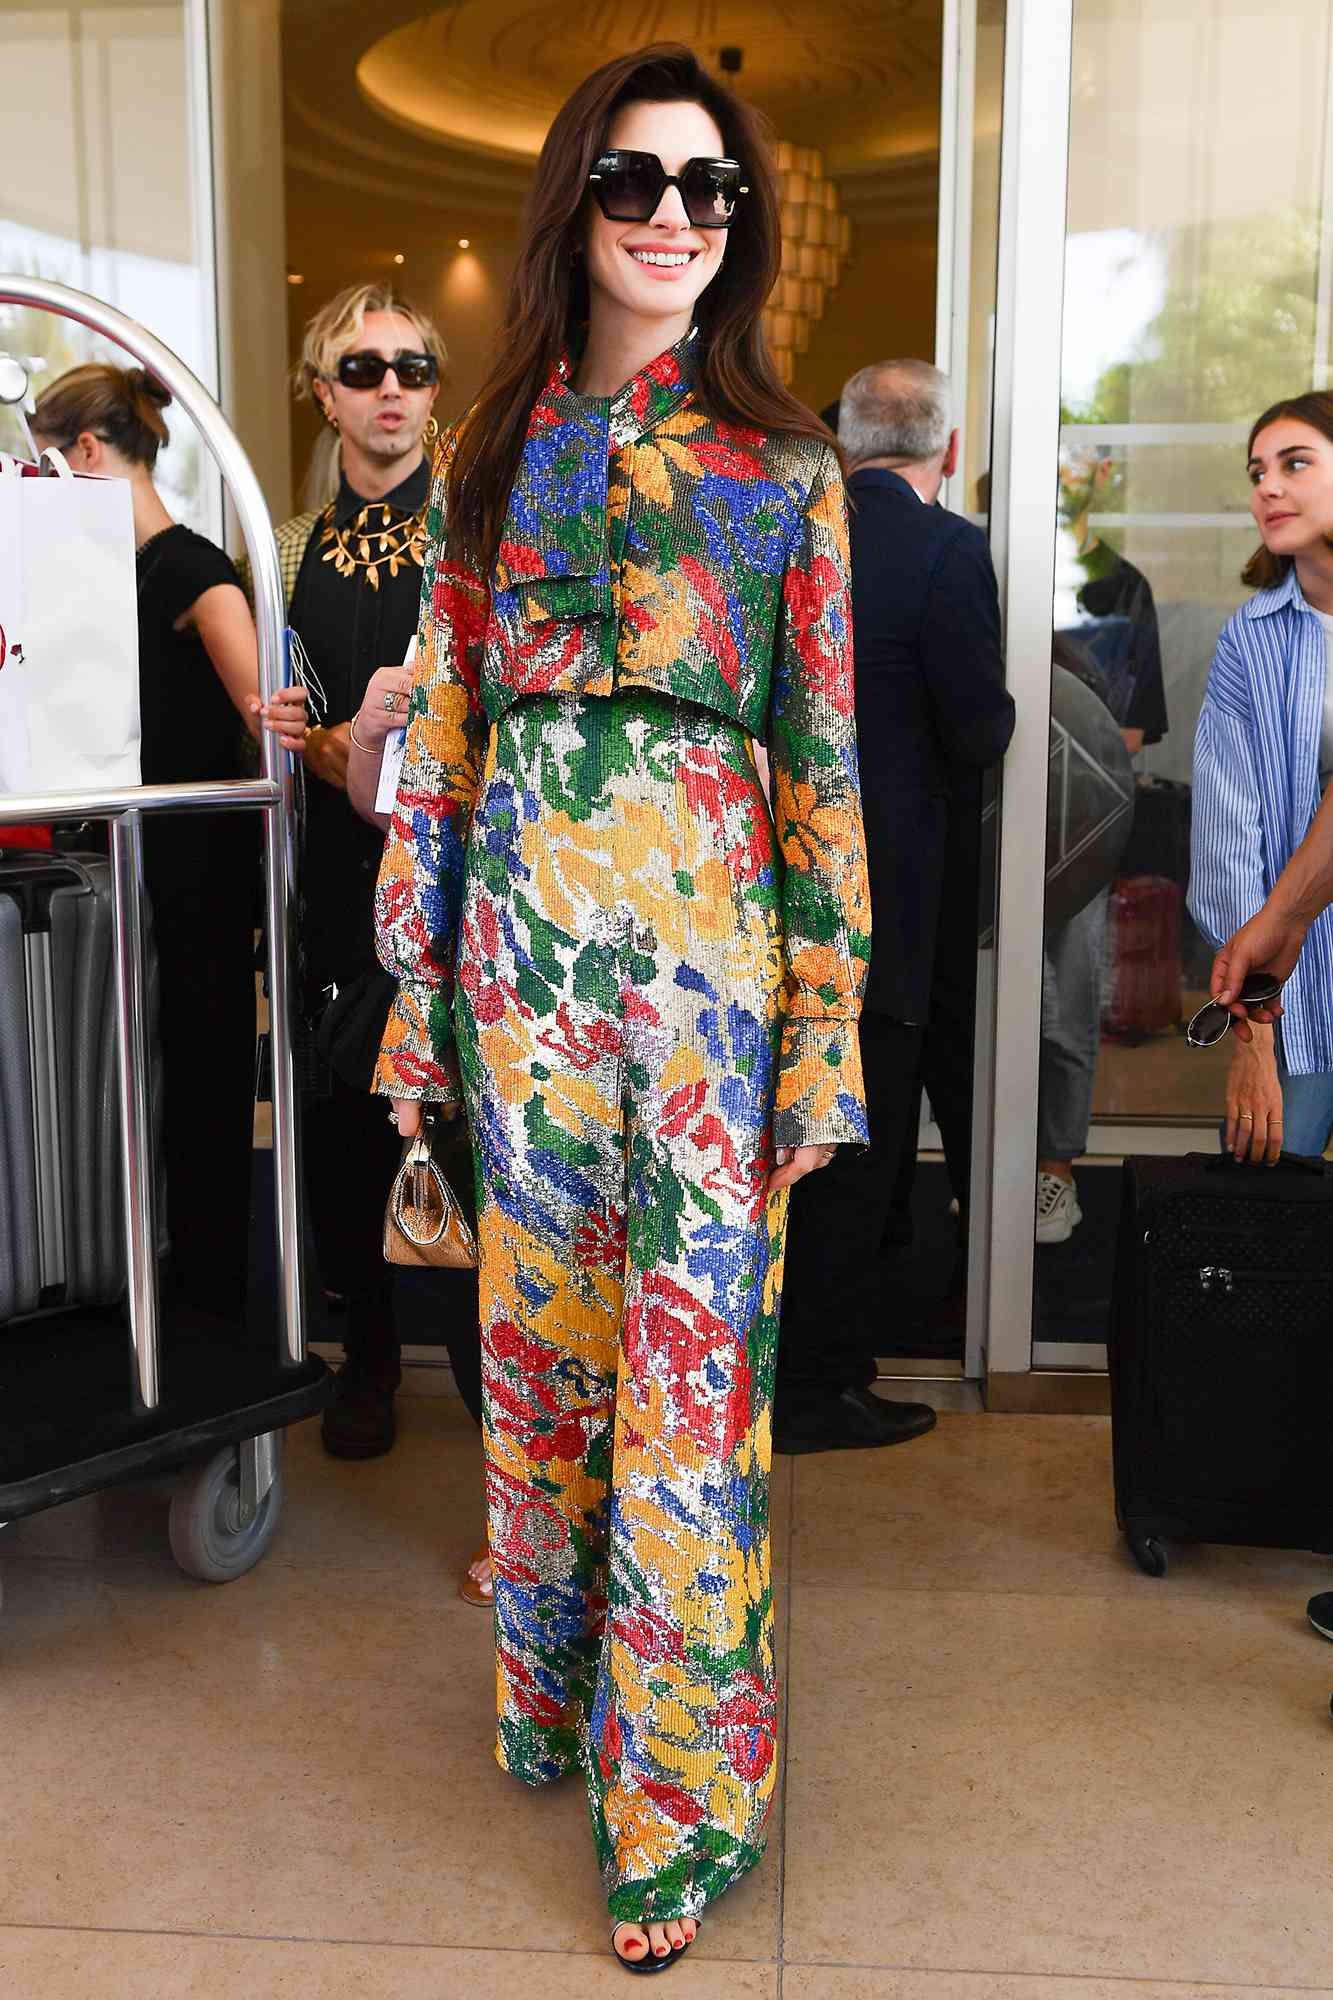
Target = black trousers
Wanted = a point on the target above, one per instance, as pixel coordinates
(350, 1154)
(949, 1043)
(832, 1305)
(948, 1050)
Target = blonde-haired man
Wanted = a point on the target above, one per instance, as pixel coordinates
(352, 575)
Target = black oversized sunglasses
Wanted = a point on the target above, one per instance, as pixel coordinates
(367, 370)
(629, 186)
(1213, 1020)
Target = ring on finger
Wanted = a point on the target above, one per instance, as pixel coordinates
(391, 700)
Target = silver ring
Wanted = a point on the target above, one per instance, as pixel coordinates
(391, 700)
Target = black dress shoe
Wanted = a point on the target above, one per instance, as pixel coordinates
(360, 1421)
(1319, 1611)
(857, 1420)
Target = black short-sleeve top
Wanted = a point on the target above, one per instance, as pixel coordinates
(190, 728)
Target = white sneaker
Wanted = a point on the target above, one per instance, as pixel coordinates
(1058, 1212)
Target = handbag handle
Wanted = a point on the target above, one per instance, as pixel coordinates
(422, 1170)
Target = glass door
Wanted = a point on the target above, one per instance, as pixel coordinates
(929, 1329)
(1195, 199)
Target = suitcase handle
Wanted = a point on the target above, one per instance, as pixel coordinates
(1292, 1163)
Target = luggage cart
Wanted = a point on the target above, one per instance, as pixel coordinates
(213, 1412)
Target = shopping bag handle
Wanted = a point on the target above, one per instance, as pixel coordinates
(19, 468)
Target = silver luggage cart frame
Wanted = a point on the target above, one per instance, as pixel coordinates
(225, 1515)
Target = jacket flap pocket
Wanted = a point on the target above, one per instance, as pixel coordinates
(534, 600)
(555, 528)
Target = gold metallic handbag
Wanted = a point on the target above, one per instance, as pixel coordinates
(423, 1223)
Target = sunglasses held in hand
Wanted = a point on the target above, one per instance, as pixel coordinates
(366, 369)
(1212, 1021)
(629, 187)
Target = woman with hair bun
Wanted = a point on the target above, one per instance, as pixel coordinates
(198, 672)
(645, 989)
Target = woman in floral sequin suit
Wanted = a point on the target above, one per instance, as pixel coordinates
(642, 983)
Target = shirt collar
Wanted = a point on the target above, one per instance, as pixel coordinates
(883, 475)
(405, 498)
(1288, 592)
(642, 402)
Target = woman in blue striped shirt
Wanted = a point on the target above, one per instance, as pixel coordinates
(1263, 753)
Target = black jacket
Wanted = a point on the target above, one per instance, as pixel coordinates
(931, 712)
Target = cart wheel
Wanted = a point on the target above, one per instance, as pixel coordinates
(1148, 1553)
(207, 1538)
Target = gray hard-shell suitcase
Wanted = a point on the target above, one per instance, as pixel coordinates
(62, 1232)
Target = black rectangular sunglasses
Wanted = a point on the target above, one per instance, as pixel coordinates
(366, 370)
(629, 187)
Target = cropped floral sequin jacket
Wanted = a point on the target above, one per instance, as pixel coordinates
(646, 547)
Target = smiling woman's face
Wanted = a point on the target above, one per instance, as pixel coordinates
(656, 270)
(1291, 487)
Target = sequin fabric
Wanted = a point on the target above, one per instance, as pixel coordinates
(647, 547)
(620, 973)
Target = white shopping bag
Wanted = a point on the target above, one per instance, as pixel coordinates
(69, 632)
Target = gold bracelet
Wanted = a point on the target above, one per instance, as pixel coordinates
(366, 749)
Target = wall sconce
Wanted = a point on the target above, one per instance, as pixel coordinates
(816, 241)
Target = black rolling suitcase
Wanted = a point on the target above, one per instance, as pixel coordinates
(1221, 1355)
(62, 1229)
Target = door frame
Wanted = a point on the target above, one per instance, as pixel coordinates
(1034, 173)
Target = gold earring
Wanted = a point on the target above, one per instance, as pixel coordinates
(330, 417)
(431, 432)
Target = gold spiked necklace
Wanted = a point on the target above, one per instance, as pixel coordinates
(374, 540)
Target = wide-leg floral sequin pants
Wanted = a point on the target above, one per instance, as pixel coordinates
(619, 978)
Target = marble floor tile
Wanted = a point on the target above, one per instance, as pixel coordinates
(859, 1982)
(1090, 1786)
(53, 1964)
(306, 1752)
(1005, 1503)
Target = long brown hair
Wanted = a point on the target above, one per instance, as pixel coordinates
(1265, 570)
(548, 296)
(121, 406)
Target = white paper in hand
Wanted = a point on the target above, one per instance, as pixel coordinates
(395, 743)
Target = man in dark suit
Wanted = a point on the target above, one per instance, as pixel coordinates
(930, 706)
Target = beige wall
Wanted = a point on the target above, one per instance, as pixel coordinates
(884, 305)
(245, 67)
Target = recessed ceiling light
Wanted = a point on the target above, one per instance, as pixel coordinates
(296, 277)
(399, 257)
(464, 242)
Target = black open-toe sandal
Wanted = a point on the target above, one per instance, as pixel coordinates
(649, 1962)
